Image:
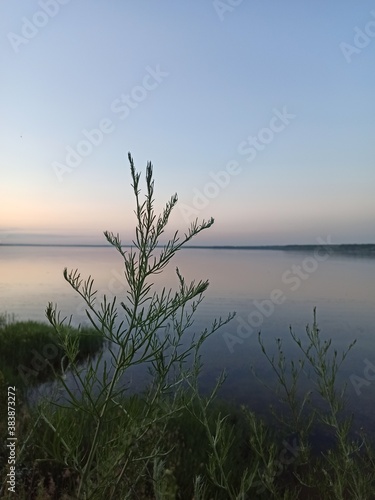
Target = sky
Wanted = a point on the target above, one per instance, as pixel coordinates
(257, 113)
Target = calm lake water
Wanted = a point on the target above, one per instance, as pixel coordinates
(269, 290)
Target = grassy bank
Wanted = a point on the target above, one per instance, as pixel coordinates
(174, 457)
(30, 352)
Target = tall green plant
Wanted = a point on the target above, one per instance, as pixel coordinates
(114, 443)
(342, 471)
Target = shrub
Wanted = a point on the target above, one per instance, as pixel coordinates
(116, 447)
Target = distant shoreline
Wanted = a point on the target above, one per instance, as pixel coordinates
(352, 249)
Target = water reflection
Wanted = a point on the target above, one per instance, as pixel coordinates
(342, 287)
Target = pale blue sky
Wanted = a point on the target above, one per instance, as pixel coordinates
(202, 84)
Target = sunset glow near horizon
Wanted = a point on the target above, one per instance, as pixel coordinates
(258, 114)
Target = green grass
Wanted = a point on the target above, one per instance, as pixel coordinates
(30, 350)
(186, 454)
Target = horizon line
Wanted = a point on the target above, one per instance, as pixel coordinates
(249, 247)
